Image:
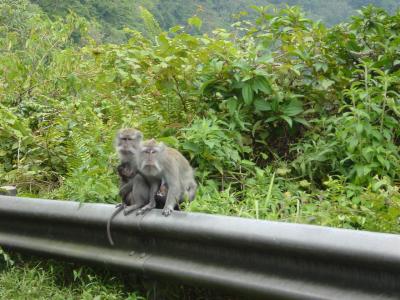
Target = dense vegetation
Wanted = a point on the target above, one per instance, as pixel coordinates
(31, 278)
(34, 279)
(284, 119)
(110, 17)
(287, 121)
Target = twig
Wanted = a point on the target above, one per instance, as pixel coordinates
(178, 91)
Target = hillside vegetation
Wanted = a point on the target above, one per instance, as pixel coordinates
(284, 118)
(288, 120)
(110, 17)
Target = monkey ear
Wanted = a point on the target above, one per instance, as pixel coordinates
(139, 135)
(162, 146)
(115, 142)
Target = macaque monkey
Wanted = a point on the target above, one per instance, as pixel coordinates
(159, 163)
(134, 190)
(127, 143)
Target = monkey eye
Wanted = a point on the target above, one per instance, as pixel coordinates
(150, 151)
(126, 139)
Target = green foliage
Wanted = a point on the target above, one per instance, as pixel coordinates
(30, 278)
(277, 197)
(362, 140)
(109, 18)
(282, 118)
(54, 280)
(213, 147)
(5, 259)
(151, 25)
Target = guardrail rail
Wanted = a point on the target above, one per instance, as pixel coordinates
(268, 260)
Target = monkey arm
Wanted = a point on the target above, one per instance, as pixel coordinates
(126, 189)
(154, 186)
(139, 196)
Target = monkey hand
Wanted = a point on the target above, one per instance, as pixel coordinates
(167, 211)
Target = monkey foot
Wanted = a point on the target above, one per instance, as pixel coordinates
(167, 211)
(128, 211)
(143, 210)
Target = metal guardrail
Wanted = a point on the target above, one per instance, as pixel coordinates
(269, 260)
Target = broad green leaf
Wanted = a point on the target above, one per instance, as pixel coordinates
(191, 146)
(288, 120)
(271, 119)
(219, 168)
(136, 78)
(294, 108)
(247, 93)
(232, 105)
(176, 28)
(260, 83)
(262, 105)
(302, 121)
(326, 83)
(247, 163)
(169, 141)
(195, 21)
(321, 66)
(206, 84)
(383, 162)
(359, 128)
(368, 152)
(353, 142)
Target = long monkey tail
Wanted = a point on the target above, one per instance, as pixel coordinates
(120, 207)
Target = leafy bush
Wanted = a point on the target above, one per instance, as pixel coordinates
(283, 118)
(213, 147)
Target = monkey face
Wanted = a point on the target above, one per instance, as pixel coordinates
(150, 160)
(128, 141)
(150, 157)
